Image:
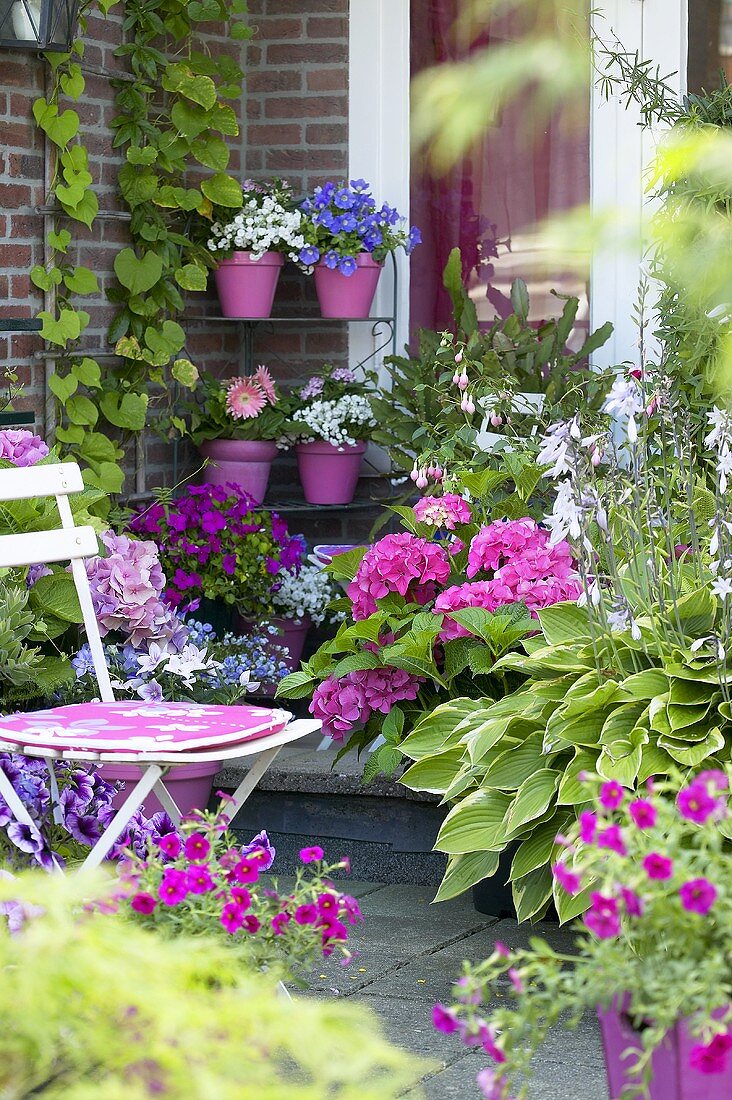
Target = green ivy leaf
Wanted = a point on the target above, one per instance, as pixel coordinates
(59, 241)
(61, 129)
(190, 121)
(211, 152)
(84, 211)
(125, 410)
(62, 387)
(88, 372)
(56, 594)
(81, 281)
(43, 279)
(138, 274)
(67, 326)
(108, 476)
(186, 373)
(80, 410)
(181, 78)
(191, 277)
(146, 155)
(137, 184)
(223, 190)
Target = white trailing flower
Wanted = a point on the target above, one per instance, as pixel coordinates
(336, 422)
(263, 225)
(625, 400)
(306, 593)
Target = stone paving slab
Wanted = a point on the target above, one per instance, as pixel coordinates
(410, 953)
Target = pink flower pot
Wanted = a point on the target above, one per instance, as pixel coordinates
(291, 635)
(190, 785)
(673, 1077)
(245, 463)
(246, 287)
(329, 474)
(348, 296)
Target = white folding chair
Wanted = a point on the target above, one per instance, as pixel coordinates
(156, 737)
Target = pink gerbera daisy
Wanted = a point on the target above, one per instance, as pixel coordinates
(244, 399)
(264, 380)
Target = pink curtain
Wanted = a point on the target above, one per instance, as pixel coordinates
(490, 202)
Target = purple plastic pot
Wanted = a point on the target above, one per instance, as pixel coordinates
(329, 474)
(242, 462)
(348, 296)
(673, 1077)
(246, 287)
(190, 785)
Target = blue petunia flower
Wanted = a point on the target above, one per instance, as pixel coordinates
(309, 255)
(344, 199)
(347, 266)
(331, 259)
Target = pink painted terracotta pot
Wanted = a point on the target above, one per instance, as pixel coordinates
(329, 474)
(673, 1076)
(246, 287)
(245, 463)
(190, 785)
(348, 296)
(291, 635)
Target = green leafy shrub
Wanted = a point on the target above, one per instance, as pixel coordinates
(93, 1006)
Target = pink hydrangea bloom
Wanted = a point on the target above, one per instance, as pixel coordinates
(351, 700)
(21, 447)
(401, 563)
(445, 511)
(127, 587)
(502, 541)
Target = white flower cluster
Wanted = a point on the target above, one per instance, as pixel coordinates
(263, 225)
(306, 593)
(336, 422)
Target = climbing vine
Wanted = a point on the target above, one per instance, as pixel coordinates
(172, 123)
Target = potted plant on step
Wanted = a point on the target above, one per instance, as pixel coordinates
(250, 249)
(301, 602)
(236, 424)
(347, 240)
(652, 871)
(330, 421)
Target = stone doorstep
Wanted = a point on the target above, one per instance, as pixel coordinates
(301, 768)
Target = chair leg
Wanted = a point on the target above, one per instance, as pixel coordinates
(53, 785)
(121, 819)
(250, 780)
(167, 801)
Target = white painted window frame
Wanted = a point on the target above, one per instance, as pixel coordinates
(619, 150)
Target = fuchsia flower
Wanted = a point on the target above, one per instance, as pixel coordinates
(251, 924)
(698, 895)
(444, 1019)
(279, 923)
(633, 904)
(695, 803)
(173, 887)
(612, 838)
(246, 871)
(241, 896)
(306, 914)
(311, 855)
(491, 1084)
(643, 813)
(143, 903)
(711, 1057)
(446, 511)
(232, 917)
(602, 918)
(588, 827)
(401, 563)
(197, 847)
(657, 866)
(611, 795)
(198, 880)
(570, 882)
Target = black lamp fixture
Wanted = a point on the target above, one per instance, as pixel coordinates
(38, 24)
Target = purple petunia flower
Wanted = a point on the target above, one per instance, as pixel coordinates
(698, 895)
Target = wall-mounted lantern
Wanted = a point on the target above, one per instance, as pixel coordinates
(38, 24)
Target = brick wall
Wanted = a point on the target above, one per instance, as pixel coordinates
(294, 124)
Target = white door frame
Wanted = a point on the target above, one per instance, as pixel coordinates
(619, 150)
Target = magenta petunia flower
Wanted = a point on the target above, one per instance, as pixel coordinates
(515, 979)
(170, 845)
(487, 1037)
(246, 871)
(612, 838)
(311, 855)
(232, 917)
(143, 903)
(444, 1019)
(173, 888)
(199, 880)
(695, 803)
(570, 882)
(588, 827)
(279, 923)
(241, 896)
(643, 813)
(657, 866)
(251, 924)
(328, 904)
(698, 895)
(633, 903)
(611, 795)
(711, 1057)
(491, 1085)
(502, 950)
(197, 847)
(306, 914)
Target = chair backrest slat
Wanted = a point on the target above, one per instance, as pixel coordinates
(65, 543)
(24, 482)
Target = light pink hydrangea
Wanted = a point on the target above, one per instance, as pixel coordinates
(445, 511)
(21, 447)
(401, 563)
(486, 594)
(127, 587)
(502, 541)
(342, 704)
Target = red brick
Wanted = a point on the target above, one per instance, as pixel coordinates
(307, 107)
(312, 53)
(271, 29)
(326, 133)
(273, 80)
(273, 134)
(327, 27)
(327, 80)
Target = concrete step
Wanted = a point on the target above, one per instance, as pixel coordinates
(305, 798)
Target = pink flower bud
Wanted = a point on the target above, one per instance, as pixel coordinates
(438, 474)
(414, 474)
(421, 482)
(464, 404)
(459, 357)
(470, 406)
(496, 420)
(463, 381)
(456, 379)
(596, 457)
(430, 471)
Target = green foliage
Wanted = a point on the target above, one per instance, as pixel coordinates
(627, 708)
(19, 661)
(420, 418)
(95, 1006)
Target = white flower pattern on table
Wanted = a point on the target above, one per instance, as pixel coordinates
(121, 726)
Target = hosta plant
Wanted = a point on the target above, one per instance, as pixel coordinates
(652, 871)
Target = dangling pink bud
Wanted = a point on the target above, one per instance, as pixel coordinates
(438, 474)
(470, 407)
(464, 404)
(496, 420)
(414, 474)
(456, 379)
(430, 471)
(421, 482)
(459, 357)
(463, 381)
(596, 457)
